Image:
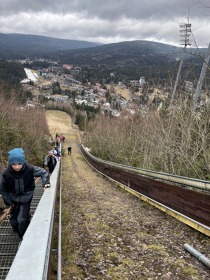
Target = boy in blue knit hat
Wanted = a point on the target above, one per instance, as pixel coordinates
(17, 188)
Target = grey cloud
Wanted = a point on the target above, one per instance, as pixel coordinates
(104, 21)
(108, 9)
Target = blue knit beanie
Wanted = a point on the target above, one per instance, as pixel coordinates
(16, 156)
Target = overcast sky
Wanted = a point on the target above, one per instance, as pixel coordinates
(107, 21)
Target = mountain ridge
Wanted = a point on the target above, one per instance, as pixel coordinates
(18, 45)
(134, 53)
(137, 53)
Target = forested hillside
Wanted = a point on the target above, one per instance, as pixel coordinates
(131, 60)
(138, 53)
(11, 73)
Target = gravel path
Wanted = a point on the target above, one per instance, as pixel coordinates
(109, 234)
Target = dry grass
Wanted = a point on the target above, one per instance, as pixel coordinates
(124, 92)
(58, 122)
(110, 234)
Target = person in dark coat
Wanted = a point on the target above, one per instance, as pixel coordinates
(69, 150)
(17, 188)
(50, 161)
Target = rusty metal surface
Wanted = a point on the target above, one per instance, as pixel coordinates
(193, 204)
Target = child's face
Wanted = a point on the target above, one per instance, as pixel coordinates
(17, 166)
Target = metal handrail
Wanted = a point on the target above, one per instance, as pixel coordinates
(191, 182)
(59, 271)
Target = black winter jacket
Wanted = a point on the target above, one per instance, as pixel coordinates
(18, 187)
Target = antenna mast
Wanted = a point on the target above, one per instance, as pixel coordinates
(184, 30)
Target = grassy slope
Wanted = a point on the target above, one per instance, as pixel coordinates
(110, 234)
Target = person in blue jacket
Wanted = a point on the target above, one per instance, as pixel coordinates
(17, 186)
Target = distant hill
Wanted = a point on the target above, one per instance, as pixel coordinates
(130, 53)
(133, 54)
(21, 46)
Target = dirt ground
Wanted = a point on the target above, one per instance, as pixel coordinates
(109, 234)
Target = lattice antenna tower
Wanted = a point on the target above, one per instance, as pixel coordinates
(184, 33)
